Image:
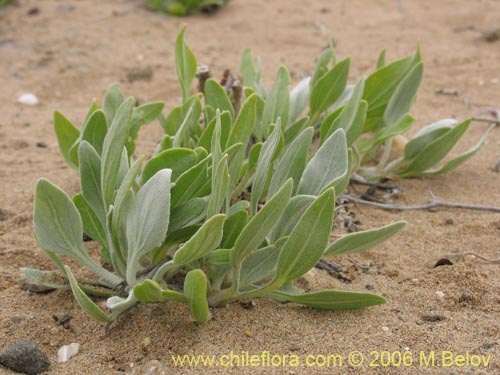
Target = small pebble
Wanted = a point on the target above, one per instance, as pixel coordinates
(25, 357)
(248, 333)
(28, 99)
(41, 144)
(66, 352)
(466, 296)
(3, 215)
(440, 294)
(146, 342)
(433, 318)
(385, 329)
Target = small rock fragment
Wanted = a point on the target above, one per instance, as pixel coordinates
(25, 357)
(385, 329)
(433, 318)
(41, 144)
(465, 297)
(33, 11)
(440, 294)
(66, 352)
(248, 305)
(492, 35)
(443, 262)
(140, 74)
(28, 99)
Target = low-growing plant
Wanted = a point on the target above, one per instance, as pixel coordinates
(237, 201)
(185, 7)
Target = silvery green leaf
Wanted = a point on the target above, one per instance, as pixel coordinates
(216, 149)
(95, 130)
(343, 181)
(240, 205)
(187, 213)
(195, 290)
(277, 104)
(91, 223)
(147, 221)
(322, 62)
(173, 120)
(299, 98)
(192, 183)
(250, 73)
(381, 59)
(67, 134)
(177, 237)
(220, 188)
(295, 129)
(57, 223)
(426, 135)
(402, 99)
(328, 122)
(306, 244)
(84, 301)
(217, 98)
(185, 63)
(361, 241)
(42, 281)
(259, 265)
(219, 257)
(112, 151)
(205, 140)
(327, 167)
(346, 118)
(233, 226)
(112, 101)
(291, 216)
(204, 241)
(255, 232)
(245, 122)
(150, 291)
(358, 123)
(292, 162)
(191, 111)
(264, 165)
(144, 115)
(403, 125)
(327, 89)
(178, 160)
(435, 151)
(331, 299)
(90, 179)
(455, 162)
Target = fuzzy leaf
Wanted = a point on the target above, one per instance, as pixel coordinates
(291, 216)
(112, 101)
(233, 226)
(90, 179)
(299, 98)
(277, 104)
(150, 291)
(195, 290)
(217, 98)
(178, 160)
(67, 134)
(185, 63)
(95, 130)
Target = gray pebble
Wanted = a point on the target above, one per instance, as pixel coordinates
(25, 357)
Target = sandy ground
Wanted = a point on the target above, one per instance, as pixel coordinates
(70, 51)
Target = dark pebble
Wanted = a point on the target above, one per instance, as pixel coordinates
(3, 215)
(443, 262)
(25, 357)
(41, 144)
(466, 296)
(33, 11)
(16, 320)
(433, 318)
(488, 345)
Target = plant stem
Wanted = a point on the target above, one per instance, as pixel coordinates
(434, 203)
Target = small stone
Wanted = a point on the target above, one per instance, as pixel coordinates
(25, 357)
(41, 144)
(248, 305)
(488, 345)
(492, 35)
(66, 352)
(28, 99)
(433, 318)
(3, 215)
(15, 319)
(54, 331)
(248, 333)
(466, 296)
(33, 11)
(385, 329)
(440, 294)
(370, 286)
(146, 342)
(140, 74)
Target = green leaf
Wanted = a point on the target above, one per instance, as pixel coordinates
(67, 134)
(259, 266)
(57, 223)
(42, 281)
(112, 101)
(150, 291)
(91, 223)
(426, 135)
(245, 122)
(220, 188)
(261, 224)
(187, 213)
(381, 59)
(192, 183)
(299, 98)
(308, 240)
(195, 290)
(204, 241)
(293, 161)
(277, 104)
(361, 241)
(250, 74)
(435, 151)
(186, 64)
(328, 89)
(144, 115)
(173, 121)
(402, 99)
(327, 167)
(233, 226)
(332, 299)
(148, 219)
(95, 130)
(90, 179)
(455, 162)
(112, 151)
(295, 129)
(322, 62)
(207, 135)
(191, 112)
(216, 97)
(84, 301)
(264, 165)
(179, 160)
(291, 216)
